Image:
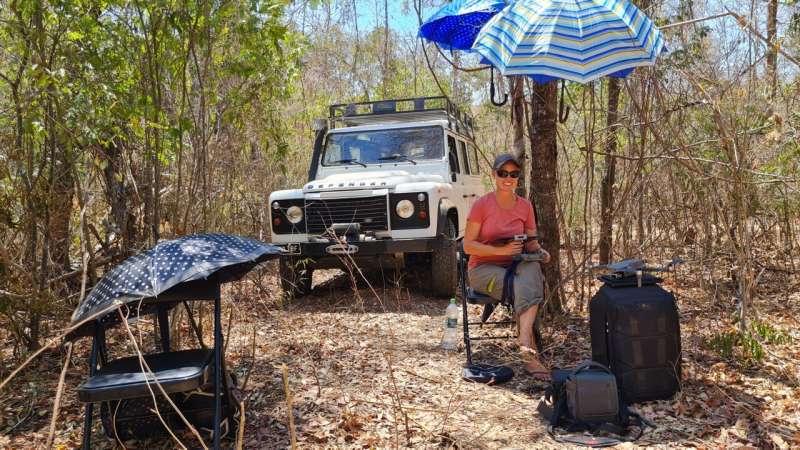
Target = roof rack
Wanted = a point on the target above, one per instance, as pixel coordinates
(401, 110)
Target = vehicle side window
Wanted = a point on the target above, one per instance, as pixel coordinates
(473, 153)
(350, 149)
(452, 155)
(465, 162)
(334, 152)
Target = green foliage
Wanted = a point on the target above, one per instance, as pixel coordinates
(747, 348)
(770, 334)
(733, 344)
(143, 104)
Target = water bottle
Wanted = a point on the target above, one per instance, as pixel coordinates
(450, 340)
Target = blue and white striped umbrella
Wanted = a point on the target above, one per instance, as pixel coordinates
(577, 40)
(455, 25)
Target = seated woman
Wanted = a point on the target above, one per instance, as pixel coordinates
(493, 220)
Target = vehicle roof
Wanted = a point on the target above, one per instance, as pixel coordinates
(396, 125)
(400, 111)
(389, 125)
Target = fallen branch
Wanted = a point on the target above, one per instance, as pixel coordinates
(292, 433)
(24, 418)
(240, 434)
(76, 273)
(252, 364)
(149, 372)
(57, 401)
(55, 340)
(4, 293)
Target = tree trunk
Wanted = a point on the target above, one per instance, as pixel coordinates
(772, 54)
(544, 180)
(61, 206)
(607, 185)
(117, 197)
(63, 189)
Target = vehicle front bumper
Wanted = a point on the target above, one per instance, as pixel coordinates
(322, 248)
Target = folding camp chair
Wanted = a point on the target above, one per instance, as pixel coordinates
(188, 387)
(192, 378)
(470, 296)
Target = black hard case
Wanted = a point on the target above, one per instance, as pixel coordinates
(636, 333)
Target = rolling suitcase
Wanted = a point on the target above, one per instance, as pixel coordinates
(636, 333)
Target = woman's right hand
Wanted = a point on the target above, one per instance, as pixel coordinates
(510, 249)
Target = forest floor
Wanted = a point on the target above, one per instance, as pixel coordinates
(367, 371)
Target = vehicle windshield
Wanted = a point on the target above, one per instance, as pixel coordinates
(384, 146)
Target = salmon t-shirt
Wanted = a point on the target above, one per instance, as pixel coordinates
(499, 224)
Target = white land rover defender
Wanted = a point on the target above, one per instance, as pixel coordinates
(391, 182)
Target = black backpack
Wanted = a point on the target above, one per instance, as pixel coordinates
(635, 331)
(586, 399)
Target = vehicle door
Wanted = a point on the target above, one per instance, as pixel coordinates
(473, 185)
(457, 180)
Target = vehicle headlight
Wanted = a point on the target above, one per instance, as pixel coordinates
(294, 214)
(404, 209)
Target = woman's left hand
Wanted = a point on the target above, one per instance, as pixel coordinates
(546, 256)
(532, 246)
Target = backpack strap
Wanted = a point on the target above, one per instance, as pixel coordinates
(553, 406)
(619, 434)
(586, 441)
(559, 407)
(508, 284)
(638, 419)
(598, 318)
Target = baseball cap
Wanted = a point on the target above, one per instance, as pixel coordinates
(503, 158)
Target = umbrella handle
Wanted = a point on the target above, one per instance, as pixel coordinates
(491, 91)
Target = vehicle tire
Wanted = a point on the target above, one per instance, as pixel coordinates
(444, 264)
(295, 277)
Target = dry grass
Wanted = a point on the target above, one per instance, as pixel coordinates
(368, 372)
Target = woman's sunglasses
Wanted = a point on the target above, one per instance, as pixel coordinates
(505, 174)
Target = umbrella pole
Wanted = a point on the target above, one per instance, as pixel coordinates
(87, 420)
(217, 363)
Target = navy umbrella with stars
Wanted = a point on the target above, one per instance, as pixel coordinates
(184, 269)
(171, 263)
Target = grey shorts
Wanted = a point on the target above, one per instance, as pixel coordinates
(528, 283)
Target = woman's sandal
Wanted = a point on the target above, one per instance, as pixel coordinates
(533, 366)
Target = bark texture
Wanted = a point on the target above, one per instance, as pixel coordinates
(544, 180)
(607, 185)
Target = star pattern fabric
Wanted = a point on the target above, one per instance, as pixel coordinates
(456, 24)
(168, 264)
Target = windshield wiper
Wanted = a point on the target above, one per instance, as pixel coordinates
(397, 156)
(349, 161)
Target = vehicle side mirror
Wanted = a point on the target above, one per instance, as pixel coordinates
(319, 124)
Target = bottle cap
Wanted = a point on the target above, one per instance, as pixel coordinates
(453, 300)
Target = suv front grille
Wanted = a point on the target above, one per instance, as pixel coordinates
(370, 212)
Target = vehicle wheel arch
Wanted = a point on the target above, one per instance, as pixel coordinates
(447, 211)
